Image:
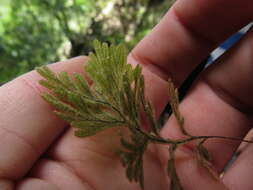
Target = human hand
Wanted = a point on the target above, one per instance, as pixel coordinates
(38, 151)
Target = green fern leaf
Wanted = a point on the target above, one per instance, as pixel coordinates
(115, 99)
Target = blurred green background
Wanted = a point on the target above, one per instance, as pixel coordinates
(36, 32)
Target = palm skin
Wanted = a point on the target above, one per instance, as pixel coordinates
(91, 163)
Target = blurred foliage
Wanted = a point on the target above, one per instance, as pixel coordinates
(35, 32)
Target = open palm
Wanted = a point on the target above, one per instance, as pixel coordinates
(39, 151)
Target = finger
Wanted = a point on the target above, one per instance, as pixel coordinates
(194, 176)
(33, 183)
(28, 125)
(220, 103)
(187, 34)
(56, 174)
(239, 175)
(6, 184)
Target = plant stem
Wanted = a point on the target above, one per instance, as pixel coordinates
(160, 140)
